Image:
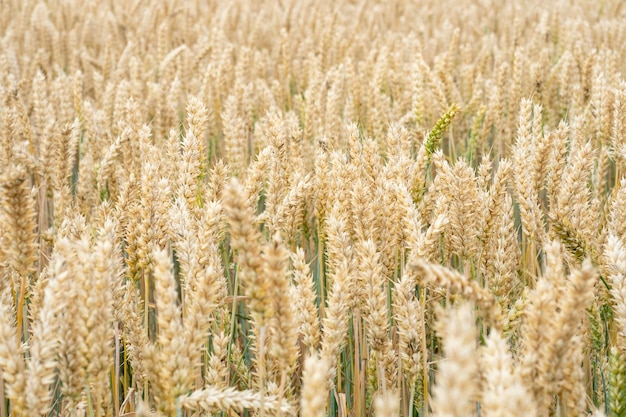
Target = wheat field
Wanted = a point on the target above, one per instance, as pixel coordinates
(312, 208)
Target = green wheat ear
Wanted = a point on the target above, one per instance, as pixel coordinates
(573, 241)
(595, 328)
(617, 383)
(436, 134)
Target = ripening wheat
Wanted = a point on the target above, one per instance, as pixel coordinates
(312, 208)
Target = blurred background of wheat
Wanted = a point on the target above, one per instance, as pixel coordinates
(314, 208)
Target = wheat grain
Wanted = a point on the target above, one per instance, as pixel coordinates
(160, 162)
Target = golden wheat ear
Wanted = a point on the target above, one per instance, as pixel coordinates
(454, 394)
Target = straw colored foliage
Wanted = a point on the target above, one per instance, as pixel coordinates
(312, 208)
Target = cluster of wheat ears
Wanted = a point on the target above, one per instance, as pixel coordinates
(312, 207)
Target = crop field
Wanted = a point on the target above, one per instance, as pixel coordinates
(283, 208)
